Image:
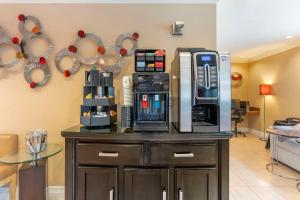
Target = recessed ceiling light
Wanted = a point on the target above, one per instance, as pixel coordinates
(289, 37)
(242, 56)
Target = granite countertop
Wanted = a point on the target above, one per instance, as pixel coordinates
(117, 132)
(285, 133)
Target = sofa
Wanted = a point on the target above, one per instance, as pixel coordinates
(8, 173)
(289, 151)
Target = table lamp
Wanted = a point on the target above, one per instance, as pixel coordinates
(265, 90)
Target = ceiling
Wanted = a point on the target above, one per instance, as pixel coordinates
(253, 29)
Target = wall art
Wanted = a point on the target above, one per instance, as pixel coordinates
(7, 42)
(103, 57)
(236, 79)
(127, 36)
(32, 61)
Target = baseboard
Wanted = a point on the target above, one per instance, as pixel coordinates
(258, 133)
(243, 129)
(53, 193)
(56, 192)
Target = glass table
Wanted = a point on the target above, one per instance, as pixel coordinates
(275, 163)
(32, 174)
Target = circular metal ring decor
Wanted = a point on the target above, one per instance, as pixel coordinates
(26, 49)
(67, 53)
(5, 40)
(36, 29)
(37, 25)
(127, 36)
(111, 51)
(98, 42)
(29, 67)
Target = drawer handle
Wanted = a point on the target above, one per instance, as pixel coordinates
(111, 194)
(180, 194)
(183, 155)
(164, 193)
(103, 154)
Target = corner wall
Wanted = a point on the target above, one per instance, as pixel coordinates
(282, 71)
(241, 92)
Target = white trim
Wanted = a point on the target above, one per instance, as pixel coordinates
(56, 193)
(53, 193)
(115, 1)
(258, 133)
(243, 129)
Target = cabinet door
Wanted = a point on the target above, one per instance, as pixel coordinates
(196, 184)
(97, 183)
(146, 184)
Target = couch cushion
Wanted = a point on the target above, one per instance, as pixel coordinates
(7, 170)
(8, 144)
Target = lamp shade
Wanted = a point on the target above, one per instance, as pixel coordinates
(265, 89)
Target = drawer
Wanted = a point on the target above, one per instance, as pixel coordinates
(109, 154)
(182, 154)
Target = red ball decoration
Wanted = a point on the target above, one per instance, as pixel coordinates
(101, 50)
(67, 73)
(81, 34)
(15, 40)
(135, 36)
(43, 60)
(33, 84)
(72, 49)
(21, 17)
(123, 52)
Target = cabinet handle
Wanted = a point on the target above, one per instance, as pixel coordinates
(164, 195)
(103, 154)
(180, 194)
(111, 194)
(183, 155)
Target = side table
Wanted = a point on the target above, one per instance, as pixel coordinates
(282, 133)
(32, 174)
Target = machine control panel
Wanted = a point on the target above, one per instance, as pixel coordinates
(206, 75)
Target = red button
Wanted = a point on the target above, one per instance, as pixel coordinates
(159, 64)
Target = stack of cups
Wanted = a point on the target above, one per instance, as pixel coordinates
(126, 110)
(127, 90)
(126, 116)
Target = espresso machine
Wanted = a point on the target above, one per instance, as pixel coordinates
(151, 101)
(201, 91)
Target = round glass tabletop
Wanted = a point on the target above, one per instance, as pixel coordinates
(23, 157)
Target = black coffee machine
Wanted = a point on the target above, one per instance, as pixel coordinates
(151, 101)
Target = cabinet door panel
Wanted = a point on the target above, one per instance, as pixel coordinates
(146, 184)
(196, 184)
(97, 183)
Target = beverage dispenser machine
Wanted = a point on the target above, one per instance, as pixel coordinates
(151, 101)
(201, 91)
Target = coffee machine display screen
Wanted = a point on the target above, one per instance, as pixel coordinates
(206, 58)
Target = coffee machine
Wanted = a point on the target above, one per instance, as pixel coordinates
(151, 101)
(201, 91)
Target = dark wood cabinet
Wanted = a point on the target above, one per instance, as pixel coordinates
(97, 183)
(146, 184)
(196, 184)
(109, 164)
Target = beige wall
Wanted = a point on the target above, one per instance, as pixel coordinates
(241, 92)
(282, 72)
(56, 106)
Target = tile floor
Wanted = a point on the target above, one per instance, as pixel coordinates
(249, 179)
